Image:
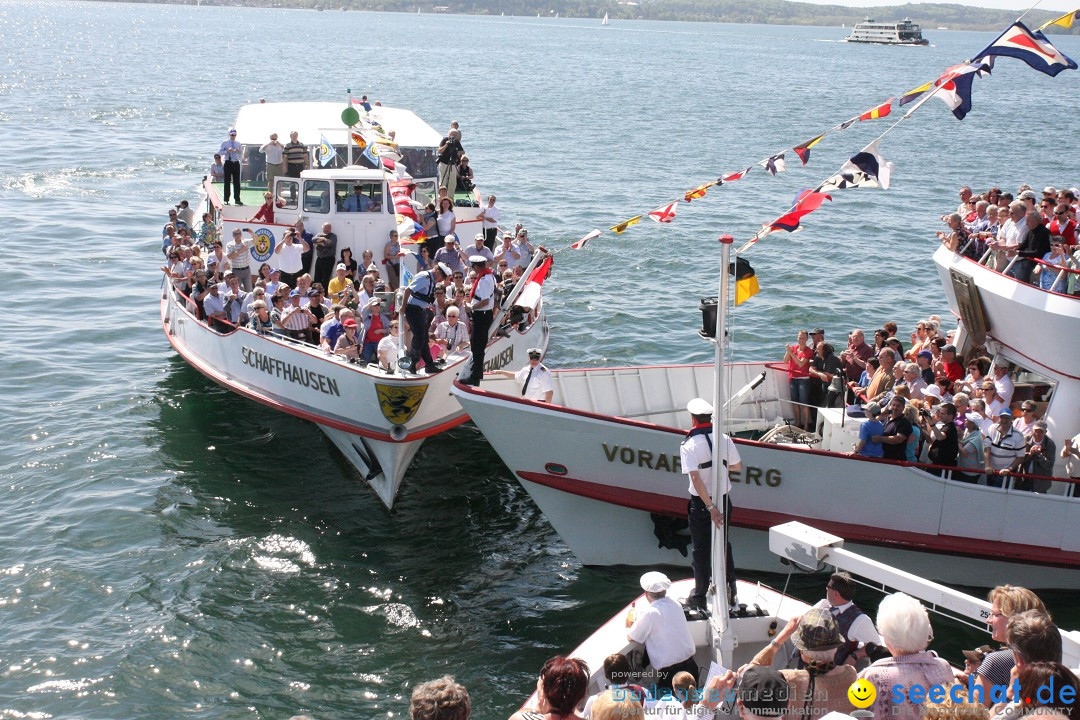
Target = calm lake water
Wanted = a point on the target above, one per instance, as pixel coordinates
(172, 550)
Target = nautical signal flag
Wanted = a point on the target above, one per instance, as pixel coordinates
(326, 151)
(621, 227)
(775, 164)
(912, 95)
(805, 203)
(736, 176)
(359, 140)
(699, 191)
(803, 151)
(1032, 47)
(865, 169)
(664, 214)
(1065, 21)
(878, 112)
(746, 282)
(581, 243)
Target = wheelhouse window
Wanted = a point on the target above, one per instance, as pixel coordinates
(359, 195)
(317, 196)
(288, 194)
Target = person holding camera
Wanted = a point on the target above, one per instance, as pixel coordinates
(238, 250)
(291, 251)
(944, 438)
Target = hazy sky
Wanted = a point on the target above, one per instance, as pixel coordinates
(1058, 5)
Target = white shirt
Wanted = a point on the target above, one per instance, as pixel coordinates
(539, 383)
(290, 258)
(1012, 233)
(662, 628)
(695, 452)
(388, 346)
(1005, 388)
(491, 218)
(274, 151)
(483, 298)
(862, 629)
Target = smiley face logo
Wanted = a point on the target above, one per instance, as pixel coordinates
(861, 694)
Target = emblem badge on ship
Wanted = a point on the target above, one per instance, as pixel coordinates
(399, 404)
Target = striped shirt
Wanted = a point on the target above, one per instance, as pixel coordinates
(1005, 449)
(296, 153)
(295, 318)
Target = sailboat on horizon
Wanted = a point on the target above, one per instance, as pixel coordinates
(605, 22)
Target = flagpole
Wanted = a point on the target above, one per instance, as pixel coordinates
(719, 537)
(348, 131)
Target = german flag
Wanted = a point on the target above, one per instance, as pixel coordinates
(746, 283)
(621, 227)
(803, 151)
(878, 112)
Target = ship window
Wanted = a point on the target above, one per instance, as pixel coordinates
(420, 161)
(288, 194)
(368, 199)
(317, 196)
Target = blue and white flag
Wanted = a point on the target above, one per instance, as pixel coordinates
(326, 151)
(1032, 47)
(406, 276)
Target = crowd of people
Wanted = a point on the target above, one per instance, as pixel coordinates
(1032, 238)
(343, 305)
(923, 402)
(809, 666)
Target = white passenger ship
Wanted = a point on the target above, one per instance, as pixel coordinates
(603, 461)
(378, 420)
(904, 32)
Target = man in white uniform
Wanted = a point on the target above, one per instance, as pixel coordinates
(534, 378)
(481, 306)
(662, 628)
(696, 454)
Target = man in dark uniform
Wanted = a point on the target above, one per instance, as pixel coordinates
(696, 454)
(481, 308)
(418, 298)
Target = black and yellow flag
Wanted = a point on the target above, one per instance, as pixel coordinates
(746, 282)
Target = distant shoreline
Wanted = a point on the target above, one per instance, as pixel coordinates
(930, 16)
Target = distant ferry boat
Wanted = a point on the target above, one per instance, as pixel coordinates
(887, 33)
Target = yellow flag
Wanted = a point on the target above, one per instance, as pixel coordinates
(746, 282)
(621, 227)
(1065, 21)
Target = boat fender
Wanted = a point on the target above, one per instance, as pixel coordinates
(398, 433)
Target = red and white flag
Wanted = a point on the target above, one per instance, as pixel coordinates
(664, 214)
(581, 243)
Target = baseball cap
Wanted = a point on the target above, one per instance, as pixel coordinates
(294, 293)
(348, 322)
(1005, 412)
(948, 348)
(232, 131)
(274, 270)
(764, 691)
(341, 266)
(1027, 195)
